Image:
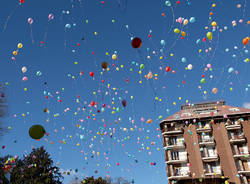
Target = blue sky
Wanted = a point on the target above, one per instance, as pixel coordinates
(99, 30)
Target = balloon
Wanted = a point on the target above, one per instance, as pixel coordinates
(167, 69)
(149, 121)
(51, 16)
(36, 132)
(209, 65)
(45, 110)
(24, 69)
(183, 33)
(149, 75)
(114, 57)
(183, 60)
(245, 41)
(68, 26)
(30, 21)
(167, 3)
(92, 103)
(15, 53)
(136, 42)
(214, 90)
(185, 22)
(230, 70)
(142, 66)
(20, 45)
(162, 42)
(104, 65)
(190, 67)
(192, 20)
(203, 81)
(176, 30)
(214, 24)
(21, 1)
(91, 74)
(124, 103)
(25, 78)
(209, 35)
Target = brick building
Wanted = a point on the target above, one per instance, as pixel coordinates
(206, 143)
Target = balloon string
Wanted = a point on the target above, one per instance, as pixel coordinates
(8, 18)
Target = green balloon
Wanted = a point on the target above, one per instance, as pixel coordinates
(118, 109)
(141, 66)
(36, 132)
(203, 81)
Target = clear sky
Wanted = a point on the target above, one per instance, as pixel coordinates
(60, 53)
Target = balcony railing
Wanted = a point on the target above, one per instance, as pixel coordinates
(237, 140)
(247, 173)
(203, 129)
(242, 156)
(211, 158)
(181, 161)
(233, 127)
(179, 177)
(172, 131)
(174, 146)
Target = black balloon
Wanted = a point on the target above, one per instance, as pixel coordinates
(104, 65)
(124, 103)
(136, 43)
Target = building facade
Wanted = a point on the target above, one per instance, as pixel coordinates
(207, 142)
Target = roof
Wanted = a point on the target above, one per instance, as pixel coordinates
(206, 110)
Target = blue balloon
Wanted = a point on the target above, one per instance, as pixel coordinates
(68, 26)
(230, 70)
(183, 60)
(198, 41)
(167, 3)
(192, 20)
(246, 51)
(162, 42)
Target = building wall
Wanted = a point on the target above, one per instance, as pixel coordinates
(246, 130)
(225, 153)
(193, 150)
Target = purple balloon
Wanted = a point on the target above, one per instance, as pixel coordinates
(51, 16)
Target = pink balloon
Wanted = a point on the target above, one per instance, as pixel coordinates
(51, 16)
(25, 78)
(30, 20)
(209, 65)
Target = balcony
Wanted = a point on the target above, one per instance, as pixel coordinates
(237, 140)
(246, 173)
(173, 131)
(213, 174)
(203, 129)
(179, 177)
(206, 142)
(212, 158)
(242, 156)
(174, 147)
(183, 161)
(233, 127)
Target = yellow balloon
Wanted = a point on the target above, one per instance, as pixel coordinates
(15, 53)
(176, 30)
(20, 45)
(209, 35)
(214, 24)
(114, 57)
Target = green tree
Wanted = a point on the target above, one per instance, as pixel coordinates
(91, 180)
(36, 168)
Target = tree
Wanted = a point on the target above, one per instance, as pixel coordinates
(91, 180)
(36, 168)
(119, 180)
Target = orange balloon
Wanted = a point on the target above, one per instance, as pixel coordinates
(149, 121)
(245, 41)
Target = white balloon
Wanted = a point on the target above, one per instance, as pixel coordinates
(190, 66)
(24, 69)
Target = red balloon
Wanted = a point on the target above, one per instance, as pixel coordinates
(21, 1)
(91, 74)
(136, 43)
(167, 69)
(124, 103)
(92, 103)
